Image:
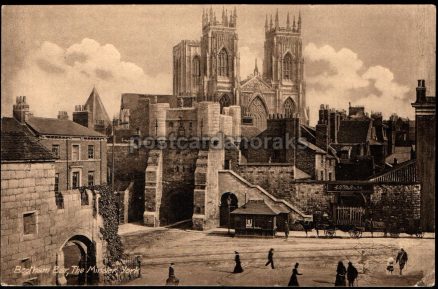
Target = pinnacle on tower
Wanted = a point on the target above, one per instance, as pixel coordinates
(211, 15)
(294, 26)
(256, 70)
(277, 25)
(226, 18)
(223, 15)
(266, 23)
(235, 17)
(270, 24)
(287, 22)
(299, 21)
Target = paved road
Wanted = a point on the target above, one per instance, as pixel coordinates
(206, 258)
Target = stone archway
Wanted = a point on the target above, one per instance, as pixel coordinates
(224, 212)
(257, 110)
(176, 205)
(78, 251)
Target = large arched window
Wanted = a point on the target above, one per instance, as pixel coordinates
(289, 107)
(196, 71)
(287, 67)
(223, 63)
(257, 110)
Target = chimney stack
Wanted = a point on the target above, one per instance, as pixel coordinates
(21, 109)
(62, 115)
(421, 91)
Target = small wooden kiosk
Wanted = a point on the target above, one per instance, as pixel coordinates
(255, 218)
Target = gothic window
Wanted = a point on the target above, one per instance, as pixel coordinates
(196, 71)
(287, 67)
(289, 107)
(258, 112)
(223, 63)
(224, 101)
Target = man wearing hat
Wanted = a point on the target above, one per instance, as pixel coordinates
(270, 258)
(172, 280)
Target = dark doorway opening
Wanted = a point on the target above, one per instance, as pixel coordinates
(80, 251)
(177, 206)
(225, 209)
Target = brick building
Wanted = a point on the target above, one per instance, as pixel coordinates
(80, 151)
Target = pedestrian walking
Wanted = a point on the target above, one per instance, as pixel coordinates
(402, 259)
(286, 229)
(390, 265)
(238, 268)
(340, 275)
(351, 274)
(172, 280)
(293, 282)
(270, 258)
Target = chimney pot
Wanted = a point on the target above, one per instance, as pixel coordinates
(419, 83)
(423, 83)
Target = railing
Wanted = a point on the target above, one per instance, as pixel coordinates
(349, 216)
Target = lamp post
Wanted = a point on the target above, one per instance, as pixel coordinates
(229, 213)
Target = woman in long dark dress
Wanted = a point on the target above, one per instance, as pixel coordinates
(340, 275)
(293, 279)
(238, 268)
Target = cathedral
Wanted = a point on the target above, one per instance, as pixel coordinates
(208, 70)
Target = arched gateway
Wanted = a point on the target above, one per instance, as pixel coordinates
(77, 252)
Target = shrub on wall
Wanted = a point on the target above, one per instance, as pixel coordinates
(109, 212)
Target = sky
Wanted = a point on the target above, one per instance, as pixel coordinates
(369, 55)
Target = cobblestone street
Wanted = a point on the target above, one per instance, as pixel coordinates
(207, 258)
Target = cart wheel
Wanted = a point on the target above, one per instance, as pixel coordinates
(329, 233)
(420, 234)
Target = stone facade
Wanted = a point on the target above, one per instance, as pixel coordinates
(209, 70)
(28, 188)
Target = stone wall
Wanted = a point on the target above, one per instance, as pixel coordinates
(275, 178)
(206, 198)
(403, 202)
(29, 188)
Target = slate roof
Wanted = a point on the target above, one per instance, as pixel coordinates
(402, 154)
(311, 146)
(354, 131)
(256, 207)
(18, 145)
(94, 103)
(54, 126)
(249, 131)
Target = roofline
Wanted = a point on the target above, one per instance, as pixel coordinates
(28, 161)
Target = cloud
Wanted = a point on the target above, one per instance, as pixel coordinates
(339, 77)
(57, 78)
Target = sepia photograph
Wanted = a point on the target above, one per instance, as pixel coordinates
(217, 145)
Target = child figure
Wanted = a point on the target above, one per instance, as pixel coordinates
(390, 265)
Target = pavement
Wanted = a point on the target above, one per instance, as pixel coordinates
(207, 257)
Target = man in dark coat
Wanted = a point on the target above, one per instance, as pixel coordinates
(351, 274)
(270, 258)
(402, 259)
(238, 268)
(172, 280)
(286, 229)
